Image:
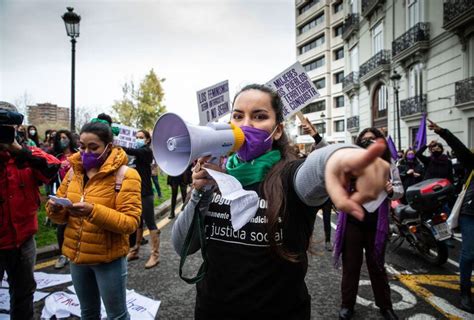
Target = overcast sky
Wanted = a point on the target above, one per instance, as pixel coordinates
(193, 44)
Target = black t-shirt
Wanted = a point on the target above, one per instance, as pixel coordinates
(246, 279)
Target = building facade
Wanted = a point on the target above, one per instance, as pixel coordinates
(50, 114)
(320, 49)
(430, 44)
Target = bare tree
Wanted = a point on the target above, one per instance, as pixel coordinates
(22, 103)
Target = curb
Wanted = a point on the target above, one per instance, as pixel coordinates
(53, 249)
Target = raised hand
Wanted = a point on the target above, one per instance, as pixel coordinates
(365, 165)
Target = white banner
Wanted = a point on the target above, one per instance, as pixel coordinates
(44, 280)
(213, 102)
(295, 89)
(126, 137)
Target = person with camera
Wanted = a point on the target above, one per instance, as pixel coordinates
(22, 170)
(466, 215)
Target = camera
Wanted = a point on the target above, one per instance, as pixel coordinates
(7, 120)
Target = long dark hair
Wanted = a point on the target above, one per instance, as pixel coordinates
(35, 137)
(378, 134)
(57, 142)
(272, 186)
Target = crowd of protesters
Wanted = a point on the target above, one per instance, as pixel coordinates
(111, 193)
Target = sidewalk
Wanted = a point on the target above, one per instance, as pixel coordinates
(53, 250)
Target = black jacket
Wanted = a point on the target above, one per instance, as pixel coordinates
(143, 159)
(440, 167)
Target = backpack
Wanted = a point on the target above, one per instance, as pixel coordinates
(119, 176)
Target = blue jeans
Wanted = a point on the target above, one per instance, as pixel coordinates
(107, 281)
(19, 264)
(466, 260)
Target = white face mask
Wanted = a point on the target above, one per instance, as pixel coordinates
(32, 132)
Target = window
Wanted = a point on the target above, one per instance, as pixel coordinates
(313, 44)
(413, 14)
(320, 83)
(339, 125)
(413, 133)
(338, 77)
(354, 54)
(313, 23)
(321, 127)
(470, 56)
(319, 62)
(355, 106)
(315, 107)
(353, 5)
(337, 7)
(379, 105)
(307, 6)
(415, 80)
(337, 30)
(339, 101)
(377, 38)
(470, 130)
(339, 53)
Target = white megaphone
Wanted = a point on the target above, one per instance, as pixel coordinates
(177, 144)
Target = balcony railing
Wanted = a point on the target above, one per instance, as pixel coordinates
(380, 58)
(368, 6)
(351, 25)
(352, 79)
(464, 91)
(413, 105)
(455, 10)
(419, 32)
(353, 123)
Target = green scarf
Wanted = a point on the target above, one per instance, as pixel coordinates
(253, 171)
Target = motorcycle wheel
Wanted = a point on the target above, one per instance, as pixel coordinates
(435, 252)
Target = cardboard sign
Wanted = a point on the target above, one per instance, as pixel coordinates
(295, 89)
(213, 102)
(126, 137)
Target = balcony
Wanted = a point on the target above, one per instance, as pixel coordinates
(413, 107)
(457, 14)
(353, 124)
(464, 93)
(415, 40)
(375, 66)
(350, 26)
(350, 83)
(369, 6)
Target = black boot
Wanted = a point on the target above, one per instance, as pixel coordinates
(346, 313)
(171, 216)
(466, 299)
(388, 314)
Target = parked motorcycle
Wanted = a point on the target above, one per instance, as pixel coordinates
(422, 223)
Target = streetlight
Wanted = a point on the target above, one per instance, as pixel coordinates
(396, 86)
(71, 21)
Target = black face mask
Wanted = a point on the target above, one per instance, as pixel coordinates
(437, 153)
(20, 137)
(365, 143)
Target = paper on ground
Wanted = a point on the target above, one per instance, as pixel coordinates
(5, 298)
(46, 280)
(244, 203)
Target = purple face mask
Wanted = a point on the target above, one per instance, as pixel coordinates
(92, 160)
(410, 156)
(257, 142)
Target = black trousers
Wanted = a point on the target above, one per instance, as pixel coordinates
(19, 264)
(174, 194)
(358, 237)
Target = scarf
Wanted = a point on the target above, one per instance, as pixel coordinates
(380, 236)
(253, 171)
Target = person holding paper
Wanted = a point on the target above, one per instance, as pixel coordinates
(22, 170)
(143, 160)
(258, 270)
(105, 211)
(354, 236)
(466, 215)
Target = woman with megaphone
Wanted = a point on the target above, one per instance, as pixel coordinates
(258, 271)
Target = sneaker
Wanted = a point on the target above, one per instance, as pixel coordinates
(61, 262)
(328, 246)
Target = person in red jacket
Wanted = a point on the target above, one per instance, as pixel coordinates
(22, 169)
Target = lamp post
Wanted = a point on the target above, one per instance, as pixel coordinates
(396, 86)
(71, 21)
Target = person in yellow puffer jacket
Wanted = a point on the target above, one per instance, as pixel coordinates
(99, 221)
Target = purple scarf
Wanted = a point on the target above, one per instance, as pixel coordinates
(380, 236)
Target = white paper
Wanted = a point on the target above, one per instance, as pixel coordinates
(61, 305)
(65, 202)
(244, 203)
(141, 307)
(375, 204)
(4, 281)
(4, 316)
(46, 280)
(5, 298)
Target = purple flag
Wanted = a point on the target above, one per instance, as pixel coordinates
(420, 140)
(392, 148)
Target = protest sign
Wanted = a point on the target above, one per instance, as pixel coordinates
(213, 102)
(46, 280)
(126, 137)
(295, 89)
(61, 305)
(5, 298)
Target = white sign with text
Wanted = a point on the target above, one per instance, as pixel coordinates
(213, 102)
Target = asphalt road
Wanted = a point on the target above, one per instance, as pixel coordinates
(419, 290)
